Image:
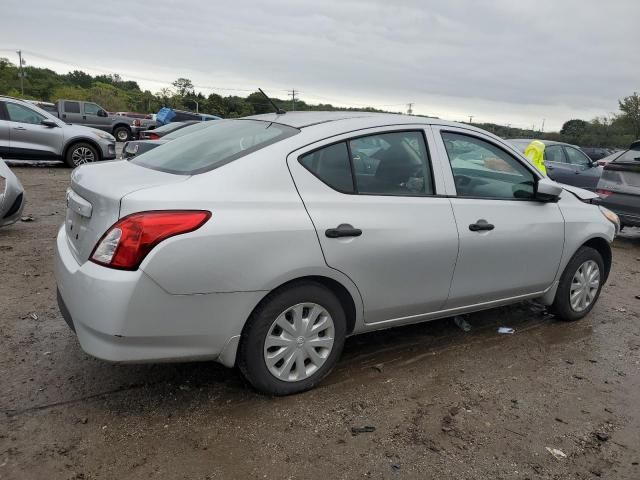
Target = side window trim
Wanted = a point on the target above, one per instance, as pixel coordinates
(468, 133)
(348, 140)
(4, 115)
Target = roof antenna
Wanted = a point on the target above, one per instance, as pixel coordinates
(279, 111)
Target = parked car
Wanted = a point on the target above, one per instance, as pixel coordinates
(138, 147)
(566, 163)
(619, 186)
(139, 126)
(596, 153)
(93, 115)
(46, 106)
(11, 196)
(30, 133)
(610, 158)
(158, 133)
(258, 243)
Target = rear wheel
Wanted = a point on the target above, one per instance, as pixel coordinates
(580, 285)
(293, 339)
(122, 134)
(81, 153)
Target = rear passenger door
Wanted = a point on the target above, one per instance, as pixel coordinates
(373, 200)
(71, 112)
(558, 168)
(510, 243)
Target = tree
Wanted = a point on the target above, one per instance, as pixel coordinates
(574, 128)
(80, 79)
(183, 86)
(630, 107)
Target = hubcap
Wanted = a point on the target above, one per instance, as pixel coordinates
(82, 155)
(122, 135)
(299, 342)
(584, 286)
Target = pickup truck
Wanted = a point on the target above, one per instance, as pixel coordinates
(93, 115)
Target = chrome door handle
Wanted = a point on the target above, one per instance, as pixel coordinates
(19, 128)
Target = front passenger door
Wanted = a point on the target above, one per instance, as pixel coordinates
(510, 244)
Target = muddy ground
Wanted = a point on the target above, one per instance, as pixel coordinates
(444, 403)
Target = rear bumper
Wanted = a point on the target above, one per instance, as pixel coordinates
(122, 316)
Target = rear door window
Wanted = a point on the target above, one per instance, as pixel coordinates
(72, 107)
(394, 163)
(554, 153)
(223, 142)
(331, 165)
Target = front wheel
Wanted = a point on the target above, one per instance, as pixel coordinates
(580, 285)
(293, 339)
(81, 153)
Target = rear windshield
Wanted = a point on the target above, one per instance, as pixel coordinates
(169, 127)
(628, 156)
(221, 143)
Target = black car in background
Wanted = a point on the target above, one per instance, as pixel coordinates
(596, 153)
(619, 186)
(178, 129)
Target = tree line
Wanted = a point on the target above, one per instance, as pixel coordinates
(116, 94)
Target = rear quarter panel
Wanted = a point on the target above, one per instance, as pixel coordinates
(259, 236)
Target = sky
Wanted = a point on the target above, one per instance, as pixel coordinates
(513, 62)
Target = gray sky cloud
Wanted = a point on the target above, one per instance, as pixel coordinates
(504, 61)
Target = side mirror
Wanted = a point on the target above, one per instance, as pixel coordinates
(102, 113)
(49, 123)
(547, 190)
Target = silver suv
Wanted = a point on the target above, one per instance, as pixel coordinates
(30, 133)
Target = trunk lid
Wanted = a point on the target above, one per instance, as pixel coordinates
(93, 199)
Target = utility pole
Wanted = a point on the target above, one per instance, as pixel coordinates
(542, 128)
(409, 109)
(471, 118)
(19, 52)
(293, 99)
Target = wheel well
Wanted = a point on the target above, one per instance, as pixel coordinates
(604, 249)
(343, 295)
(118, 125)
(76, 141)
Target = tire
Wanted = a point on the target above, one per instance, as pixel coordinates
(81, 153)
(122, 134)
(293, 353)
(562, 305)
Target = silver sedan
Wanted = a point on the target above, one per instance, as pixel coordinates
(263, 242)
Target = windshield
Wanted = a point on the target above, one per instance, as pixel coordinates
(209, 148)
(187, 130)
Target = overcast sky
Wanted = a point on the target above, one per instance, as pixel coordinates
(506, 61)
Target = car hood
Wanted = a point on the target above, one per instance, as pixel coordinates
(581, 193)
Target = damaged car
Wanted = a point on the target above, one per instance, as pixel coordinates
(11, 196)
(263, 243)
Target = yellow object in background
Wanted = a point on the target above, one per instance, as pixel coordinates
(535, 153)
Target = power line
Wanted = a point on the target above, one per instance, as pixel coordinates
(292, 94)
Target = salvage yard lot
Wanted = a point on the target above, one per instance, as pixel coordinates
(444, 403)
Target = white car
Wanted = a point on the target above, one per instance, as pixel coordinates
(265, 241)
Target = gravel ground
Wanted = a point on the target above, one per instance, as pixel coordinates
(444, 403)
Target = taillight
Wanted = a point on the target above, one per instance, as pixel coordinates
(603, 193)
(136, 123)
(151, 136)
(126, 244)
